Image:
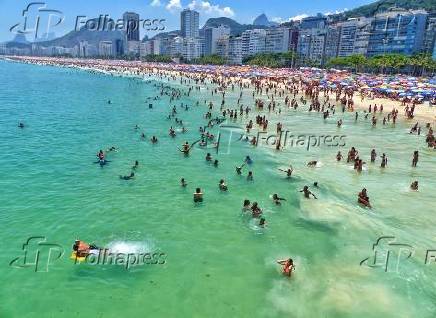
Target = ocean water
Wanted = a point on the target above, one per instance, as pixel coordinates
(218, 262)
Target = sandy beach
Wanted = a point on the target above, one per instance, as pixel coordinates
(240, 74)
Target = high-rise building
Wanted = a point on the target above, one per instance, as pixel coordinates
(332, 42)
(119, 47)
(293, 39)
(105, 48)
(212, 35)
(86, 49)
(235, 50)
(354, 37)
(277, 40)
(311, 45)
(430, 34)
(131, 26)
(189, 23)
(4, 49)
(397, 31)
(188, 48)
(434, 51)
(133, 48)
(166, 44)
(317, 22)
(222, 47)
(253, 42)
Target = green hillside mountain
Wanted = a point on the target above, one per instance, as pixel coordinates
(91, 36)
(383, 5)
(235, 27)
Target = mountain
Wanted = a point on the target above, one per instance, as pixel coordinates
(262, 20)
(383, 5)
(20, 38)
(166, 34)
(235, 27)
(93, 37)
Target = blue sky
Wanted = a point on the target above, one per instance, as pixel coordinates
(243, 11)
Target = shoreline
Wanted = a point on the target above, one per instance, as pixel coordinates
(229, 74)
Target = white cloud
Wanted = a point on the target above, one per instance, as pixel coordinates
(304, 15)
(174, 5)
(336, 12)
(279, 20)
(299, 17)
(155, 3)
(296, 18)
(211, 9)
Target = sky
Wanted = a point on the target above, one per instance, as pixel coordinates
(243, 11)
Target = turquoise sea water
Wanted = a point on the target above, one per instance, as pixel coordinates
(218, 263)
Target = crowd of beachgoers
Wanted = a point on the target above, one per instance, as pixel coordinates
(402, 88)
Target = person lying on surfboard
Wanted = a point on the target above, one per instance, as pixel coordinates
(83, 249)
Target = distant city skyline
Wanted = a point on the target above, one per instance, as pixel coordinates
(245, 13)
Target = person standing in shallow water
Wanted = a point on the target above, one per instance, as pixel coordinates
(198, 195)
(373, 155)
(307, 193)
(384, 161)
(288, 266)
(415, 158)
(363, 198)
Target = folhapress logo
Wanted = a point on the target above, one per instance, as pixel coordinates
(38, 254)
(37, 20)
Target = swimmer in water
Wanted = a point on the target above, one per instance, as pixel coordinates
(136, 165)
(153, 139)
(315, 184)
(414, 186)
(363, 198)
(276, 199)
(130, 177)
(20, 125)
(215, 163)
(198, 195)
(185, 149)
(288, 266)
(222, 185)
(255, 210)
(312, 163)
(250, 176)
(288, 172)
(246, 206)
(339, 156)
(100, 155)
(239, 169)
(248, 160)
(307, 193)
(208, 157)
(262, 222)
(183, 183)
